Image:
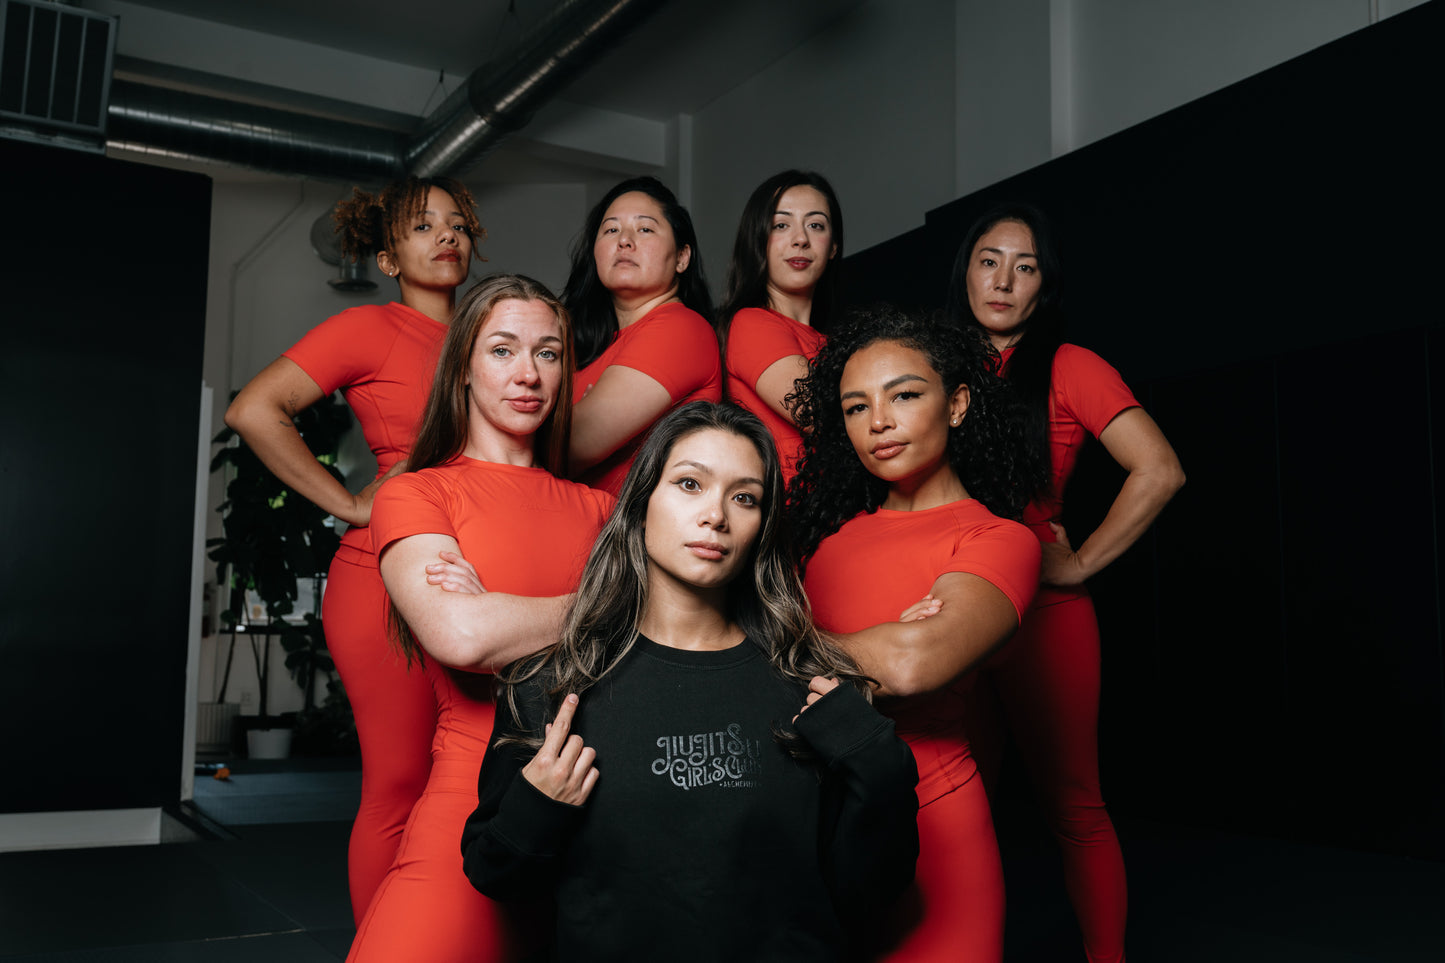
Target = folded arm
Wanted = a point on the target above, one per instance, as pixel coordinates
(924, 655)
(620, 406)
(477, 632)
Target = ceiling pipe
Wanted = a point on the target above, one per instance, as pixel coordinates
(496, 100)
(161, 121)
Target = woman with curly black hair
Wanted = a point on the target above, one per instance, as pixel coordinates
(907, 466)
(1005, 286)
(720, 831)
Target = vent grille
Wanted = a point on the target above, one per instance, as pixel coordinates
(55, 65)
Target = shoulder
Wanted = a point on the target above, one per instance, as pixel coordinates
(1074, 361)
(748, 319)
(972, 521)
(674, 318)
(593, 500)
(428, 484)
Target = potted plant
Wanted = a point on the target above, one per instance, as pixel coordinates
(274, 538)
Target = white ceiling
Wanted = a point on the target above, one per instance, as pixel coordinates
(682, 57)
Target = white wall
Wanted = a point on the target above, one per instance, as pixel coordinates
(868, 102)
(906, 106)
(1136, 59)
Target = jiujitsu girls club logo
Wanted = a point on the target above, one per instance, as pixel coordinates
(724, 759)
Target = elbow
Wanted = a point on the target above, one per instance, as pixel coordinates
(1173, 478)
(911, 675)
(234, 416)
(458, 649)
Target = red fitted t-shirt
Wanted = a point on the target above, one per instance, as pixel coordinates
(525, 531)
(673, 345)
(1085, 394)
(877, 565)
(383, 358)
(758, 338)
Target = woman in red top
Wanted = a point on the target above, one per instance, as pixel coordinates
(381, 357)
(1005, 285)
(481, 484)
(782, 294)
(907, 466)
(639, 306)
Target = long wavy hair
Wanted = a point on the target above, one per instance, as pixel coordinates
(748, 272)
(832, 485)
(370, 222)
(593, 318)
(443, 432)
(1030, 367)
(766, 600)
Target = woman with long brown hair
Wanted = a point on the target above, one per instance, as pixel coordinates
(422, 233)
(482, 482)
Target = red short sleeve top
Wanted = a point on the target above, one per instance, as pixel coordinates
(757, 339)
(673, 345)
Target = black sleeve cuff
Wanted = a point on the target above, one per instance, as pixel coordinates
(532, 822)
(840, 722)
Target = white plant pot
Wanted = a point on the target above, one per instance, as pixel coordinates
(268, 743)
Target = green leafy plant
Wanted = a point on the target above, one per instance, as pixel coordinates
(272, 538)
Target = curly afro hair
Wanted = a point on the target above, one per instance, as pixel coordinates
(987, 451)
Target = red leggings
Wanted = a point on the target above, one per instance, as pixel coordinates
(395, 713)
(953, 912)
(425, 908)
(1047, 681)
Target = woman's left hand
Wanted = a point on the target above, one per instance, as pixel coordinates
(922, 609)
(454, 574)
(817, 688)
(1061, 565)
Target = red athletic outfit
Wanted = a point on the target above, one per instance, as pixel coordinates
(865, 574)
(673, 345)
(759, 338)
(382, 357)
(501, 516)
(1047, 678)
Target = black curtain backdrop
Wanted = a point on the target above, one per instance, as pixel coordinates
(1261, 265)
(105, 287)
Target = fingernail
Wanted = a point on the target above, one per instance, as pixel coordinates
(572, 698)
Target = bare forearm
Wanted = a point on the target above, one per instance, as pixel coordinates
(906, 661)
(482, 633)
(270, 433)
(1145, 493)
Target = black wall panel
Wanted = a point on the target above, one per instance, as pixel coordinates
(1259, 266)
(105, 281)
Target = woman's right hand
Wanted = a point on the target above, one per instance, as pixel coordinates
(563, 768)
(361, 501)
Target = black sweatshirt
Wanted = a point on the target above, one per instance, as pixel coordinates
(703, 839)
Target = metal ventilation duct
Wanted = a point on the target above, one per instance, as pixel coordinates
(55, 68)
(174, 123)
(495, 101)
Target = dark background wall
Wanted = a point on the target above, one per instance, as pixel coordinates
(1261, 264)
(105, 282)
